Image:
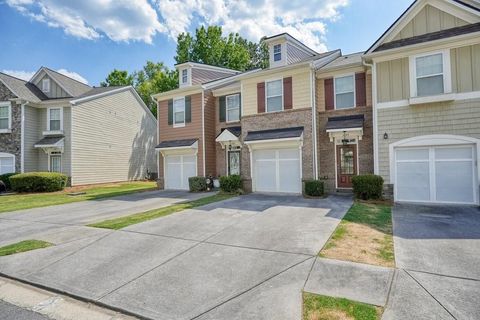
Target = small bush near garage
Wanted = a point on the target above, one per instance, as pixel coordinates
(5, 178)
(38, 182)
(197, 184)
(367, 187)
(231, 184)
(314, 188)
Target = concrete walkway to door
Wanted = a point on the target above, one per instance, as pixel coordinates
(244, 258)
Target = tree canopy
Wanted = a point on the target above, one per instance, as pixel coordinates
(208, 46)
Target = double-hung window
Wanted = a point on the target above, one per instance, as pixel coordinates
(274, 95)
(7, 163)
(46, 85)
(233, 107)
(345, 92)
(179, 112)
(184, 76)
(5, 117)
(55, 162)
(277, 52)
(54, 119)
(429, 75)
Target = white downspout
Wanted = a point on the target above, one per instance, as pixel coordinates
(22, 139)
(157, 153)
(203, 130)
(313, 103)
(374, 115)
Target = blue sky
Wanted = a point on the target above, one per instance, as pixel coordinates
(87, 39)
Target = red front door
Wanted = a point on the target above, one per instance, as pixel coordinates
(346, 165)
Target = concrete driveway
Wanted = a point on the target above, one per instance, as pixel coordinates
(243, 258)
(64, 223)
(437, 251)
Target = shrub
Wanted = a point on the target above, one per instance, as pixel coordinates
(38, 182)
(367, 187)
(314, 188)
(197, 184)
(231, 184)
(6, 179)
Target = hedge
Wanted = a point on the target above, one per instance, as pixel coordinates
(367, 187)
(231, 184)
(5, 178)
(38, 182)
(197, 184)
(314, 188)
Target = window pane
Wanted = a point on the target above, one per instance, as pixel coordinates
(233, 115)
(430, 86)
(429, 65)
(54, 114)
(274, 88)
(277, 52)
(233, 101)
(274, 104)
(345, 100)
(3, 123)
(55, 163)
(54, 125)
(179, 117)
(7, 165)
(4, 112)
(344, 84)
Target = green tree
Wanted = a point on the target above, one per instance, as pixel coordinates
(209, 46)
(118, 78)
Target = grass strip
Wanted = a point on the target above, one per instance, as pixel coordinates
(318, 307)
(122, 222)
(23, 246)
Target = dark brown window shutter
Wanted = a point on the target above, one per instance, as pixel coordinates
(360, 89)
(188, 109)
(329, 94)
(287, 93)
(170, 112)
(261, 97)
(222, 109)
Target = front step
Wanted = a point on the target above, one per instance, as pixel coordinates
(344, 191)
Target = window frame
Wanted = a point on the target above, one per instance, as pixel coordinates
(61, 119)
(180, 124)
(46, 81)
(186, 76)
(279, 45)
(7, 155)
(52, 155)
(267, 96)
(447, 77)
(335, 91)
(227, 108)
(9, 108)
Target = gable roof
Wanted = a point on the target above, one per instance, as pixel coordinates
(292, 40)
(73, 87)
(98, 90)
(410, 13)
(22, 89)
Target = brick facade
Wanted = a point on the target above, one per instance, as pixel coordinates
(11, 142)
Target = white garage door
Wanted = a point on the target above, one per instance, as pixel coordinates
(277, 170)
(178, 168)
(443, 174)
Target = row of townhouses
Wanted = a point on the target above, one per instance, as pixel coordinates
(407, 109)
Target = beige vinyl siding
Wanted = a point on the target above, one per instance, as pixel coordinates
(55, 90)
(429, 19)
(113, 139)
(31, 136)
(294, 54)
(458, 118)
(393, 82)
(200, 76)
(300, 88)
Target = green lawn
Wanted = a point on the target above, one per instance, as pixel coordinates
(126, 221)
(317, 307)
(27, 201)
(23, 246)
(364, 235)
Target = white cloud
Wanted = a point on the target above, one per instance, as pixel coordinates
(24, 75)
(119, 20)
(124, 20)
(73, 75)
(27, 75)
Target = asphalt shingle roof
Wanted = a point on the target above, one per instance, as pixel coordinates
(283, 133)
(50, 140)
(236, 131)
(73, 87)
(97, 90)
(345, 122)
(23, 89)
(176, 143)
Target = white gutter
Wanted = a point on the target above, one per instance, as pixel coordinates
(374, 115)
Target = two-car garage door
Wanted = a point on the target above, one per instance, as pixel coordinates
(437, 174)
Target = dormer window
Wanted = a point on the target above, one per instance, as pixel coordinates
(184, 76)
(277, 52)
(46, 85)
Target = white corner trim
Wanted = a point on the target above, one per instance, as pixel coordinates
(376, 165)
(314, 122)
(22, 140)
